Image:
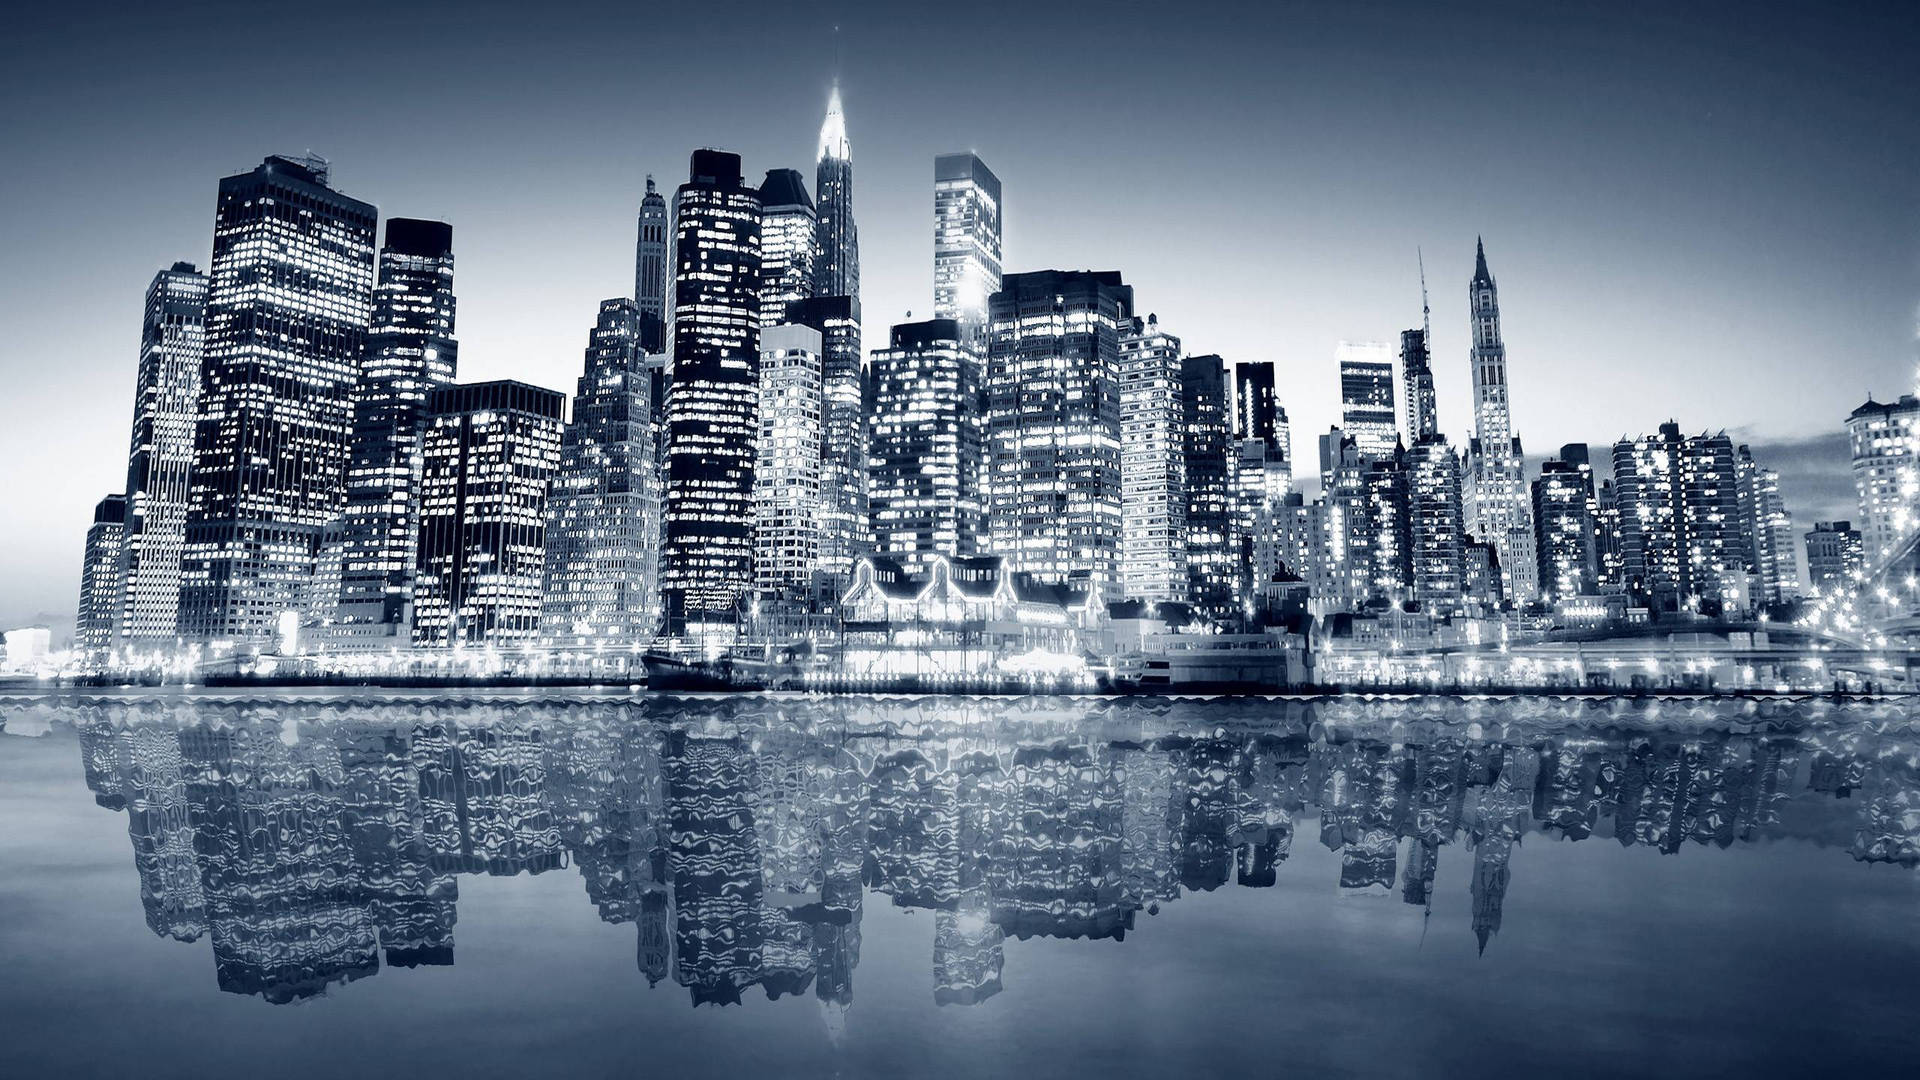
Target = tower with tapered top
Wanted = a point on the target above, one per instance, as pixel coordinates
(837, 265)
(1497, 508)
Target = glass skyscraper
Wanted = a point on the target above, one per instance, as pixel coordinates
(713, 399)
(1213, 547)
(288, 301)
(410, 353)
(160, 459)
(837, 271)
(926, 441)
(966, 240)
(1366, 397)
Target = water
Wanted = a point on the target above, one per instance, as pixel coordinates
(761, 886)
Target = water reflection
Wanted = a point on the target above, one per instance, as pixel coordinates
(310, 842)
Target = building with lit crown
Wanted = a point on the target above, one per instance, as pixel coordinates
(837, 269)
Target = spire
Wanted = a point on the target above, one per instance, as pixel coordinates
(649, 183)
(1480, 261)
(1426, 312)
(833, 131)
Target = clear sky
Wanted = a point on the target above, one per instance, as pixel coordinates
(1702, 211)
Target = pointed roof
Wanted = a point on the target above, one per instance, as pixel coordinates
(1480, 273)
(784, 187)
(833, 130)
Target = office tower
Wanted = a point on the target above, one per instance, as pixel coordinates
(1885, 440)
(100, 586)
(1335, 446)
(1563, 527)
(786, 471)
(714, 398)
(410, 353)
(966, 241)
(490, 451)
(1496, 502)
(1682, 540)
(837, 269)
(1717, 547)
(1053, 423)
(1349, 532)
(650, 270)
(1609, 559)
(1387, 520)
(923, 484)
(602, 571)
(288, 300)
(1480, 576)
(1769, 530)
(1836, 557)
(1416, 376)
(1366, 397)
(160, 460)
(1153, 474)
(789, 238)
(1436, 533)
(1214, 573)
(843, 441)
(1263, 467)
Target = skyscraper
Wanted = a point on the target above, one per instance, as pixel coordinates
(837, 271)
(1153, 473)
(923, 486)
(602, 571)
(1213, 547)
(1053, 419)
(1564, 527)
(1366, 397)
(1416, 376)
(1769, 529)
(1682, 537)
(1436, 533)
(789, 239)
(713, 399)
(287, 308)
(160, 460)
(1885, 441)
(1496, 502)
(843, 439)
(1263, 469)
(410, 353)
(490, 451)
(650, 269)
(100, 587)
(966, 240)
(1836, 555)
(786, 470)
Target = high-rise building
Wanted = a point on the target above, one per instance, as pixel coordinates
(650, 270)
(1885, 440)
(1496, 494)
(490, 451)
(602, 571)
(288, 301)
(1769, 528)
(843, 440)
(1682, 537)
(1416, 377)
(1263, 469)
(1436, 533)
(837, 269)
(1563, 524)
(160, 459)
(1053, 423)
(966, 241)
(789, 238)
(1836, 557)
(1366, 397)
(1214, 572)
(1153, 474)
(923, 484)
(1716, 543)
(1386, 516)
(410, 353)
(1608, 555)
(786, 471)
(713, 399)
(100, 585)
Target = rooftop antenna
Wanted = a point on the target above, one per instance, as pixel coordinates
(1426, 313)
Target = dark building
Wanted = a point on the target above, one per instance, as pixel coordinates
(1563, 505)
(1416, 376)
(1213, 550)
(714, 398)
(837, 271)
(650, 270)
(843, 439)
(789, 243)
(925, 455)
(410, 353)
(490, 450)
(93, 628)
(288, 301)
(1836, 555)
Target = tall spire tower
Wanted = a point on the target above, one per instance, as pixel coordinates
(837, 269)
(1498, 510)
(650, 269)
(1416, 369)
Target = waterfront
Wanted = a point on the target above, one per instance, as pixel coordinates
(516, 883)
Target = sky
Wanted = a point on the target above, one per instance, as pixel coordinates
(1704, 212)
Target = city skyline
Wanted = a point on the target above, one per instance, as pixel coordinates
(893, 207)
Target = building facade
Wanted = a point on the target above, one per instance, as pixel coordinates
(160, 458)
(924, 481)
(1564, 529)
(288, 301)
(650, 268)
(98, 613)
(1496, 494)
(844, 533)
(602, 570)
(1416, 385)
(837, 271)
(1885, 441)
(1769, 528)
(410, 353)
(1436, 531)
(1215, 575)
(1153, 474)
(490, 451)
(1366, 397)
(789, 238)
(966, 241)
(1836, 557)
(786, 471)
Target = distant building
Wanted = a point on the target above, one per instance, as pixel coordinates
(923, 484)
(786, 472)
(966, 242)
(1885, 440)
(160, 459)
(1367, 411)
(1836, 556)
(1769, 531)
(490, 452)
(789, 239)
(27, 647)
(1053, 421)
(100, 580)
(1153, 473)
(602, 570)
